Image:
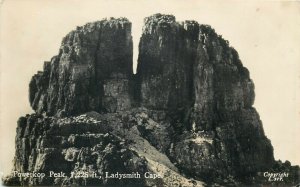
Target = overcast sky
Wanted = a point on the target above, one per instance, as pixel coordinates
(266, 35)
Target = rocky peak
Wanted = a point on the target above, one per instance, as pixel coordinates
(186, 115)
(81, 77)
(158, 23)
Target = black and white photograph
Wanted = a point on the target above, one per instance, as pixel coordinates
(150, 93)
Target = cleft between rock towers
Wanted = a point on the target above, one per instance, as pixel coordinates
(187, 115)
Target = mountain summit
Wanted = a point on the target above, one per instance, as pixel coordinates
(185, 119)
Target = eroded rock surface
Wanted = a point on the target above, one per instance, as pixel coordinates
(191, 72)
(186, 115)
(91, 71)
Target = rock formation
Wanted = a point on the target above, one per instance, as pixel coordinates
(186, 115)
(191, 72)
(91, 71)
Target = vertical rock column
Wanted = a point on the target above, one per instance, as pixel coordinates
(190, 70)
(228, 137)
(165, 63)
(91, 71)
(114, 64)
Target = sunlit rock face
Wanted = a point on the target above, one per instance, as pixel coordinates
(186, 116)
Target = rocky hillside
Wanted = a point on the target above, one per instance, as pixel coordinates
(185, 119)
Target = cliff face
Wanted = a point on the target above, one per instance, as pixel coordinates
(189, 70)
(91, 71)
(186, 115)
(166, 55)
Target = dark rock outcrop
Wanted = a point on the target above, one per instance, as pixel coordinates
(91, 71)
(167, 52)
(74, 144)
(186, 115)
(189, 70)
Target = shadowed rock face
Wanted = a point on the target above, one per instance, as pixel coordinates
(189, 70)
(91, 71)
(186, 115)
(167, 52)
